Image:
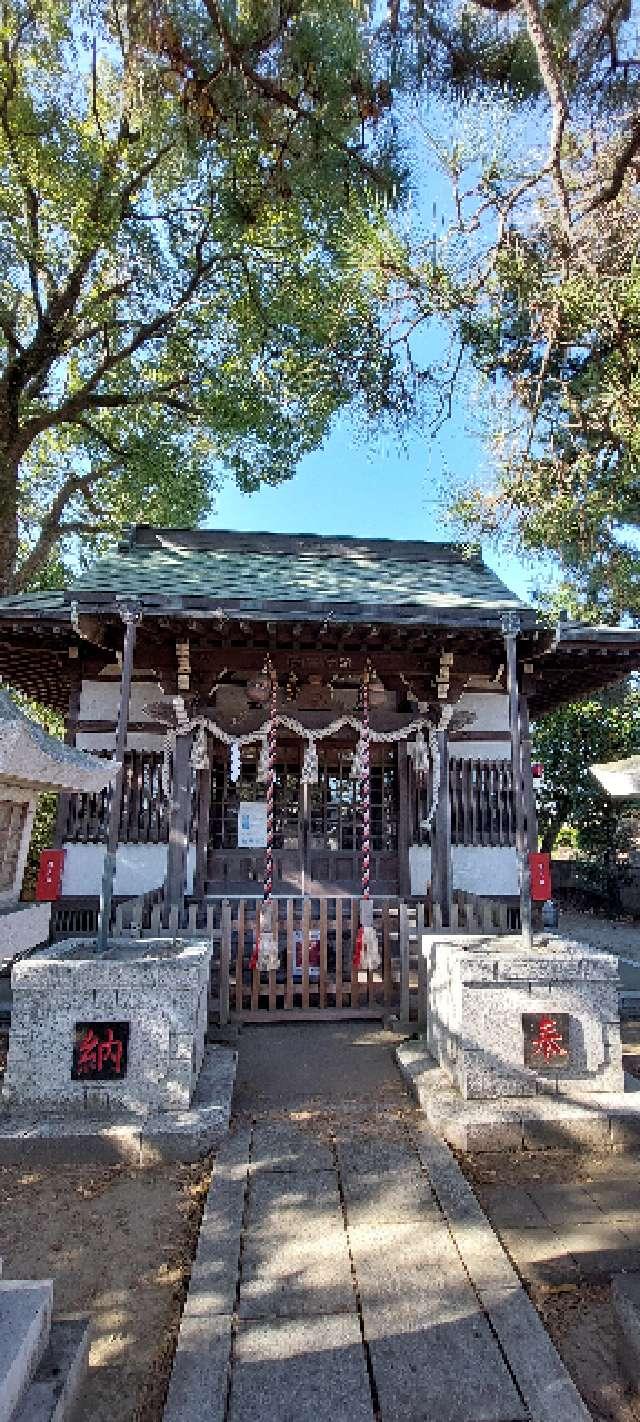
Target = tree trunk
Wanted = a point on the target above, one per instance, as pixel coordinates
(8, 520)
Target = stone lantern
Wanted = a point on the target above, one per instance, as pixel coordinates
(31, 761)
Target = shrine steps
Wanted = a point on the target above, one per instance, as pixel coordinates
(42, 1364)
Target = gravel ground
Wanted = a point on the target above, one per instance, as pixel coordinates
(118, 1245)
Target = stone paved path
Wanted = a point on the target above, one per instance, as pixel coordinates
(329, 1284)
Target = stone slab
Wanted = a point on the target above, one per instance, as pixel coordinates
(371, 1155)
(281, 1203)
(565, 1204)
(299, 1368)
(25, 1321)
(201, 1368)
(285, 1148)
(214, 1276)
(541, 1376)
(511, 1207)
(625, 1300)
(440, 1365)
(390, 1197)
(53, 1394)
(541, 1256)
(296, 1275)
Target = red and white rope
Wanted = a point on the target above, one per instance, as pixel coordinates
(366, 789)
(271, 776)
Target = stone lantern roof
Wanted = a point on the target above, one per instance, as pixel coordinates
(30, 757)
(620, 778)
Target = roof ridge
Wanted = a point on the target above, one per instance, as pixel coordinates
(142, 535)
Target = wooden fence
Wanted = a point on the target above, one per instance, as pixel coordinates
(316, 939)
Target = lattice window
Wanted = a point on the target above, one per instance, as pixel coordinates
(336, 804)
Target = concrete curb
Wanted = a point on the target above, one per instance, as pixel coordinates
(534, 1362)
(139, 1141)
(601, 1122)
(202, 1363)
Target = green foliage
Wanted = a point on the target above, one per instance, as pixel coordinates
(571, 802)
(42, 836)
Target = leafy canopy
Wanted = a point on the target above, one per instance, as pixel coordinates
(195, 256)
(537, 258)
(568, 742)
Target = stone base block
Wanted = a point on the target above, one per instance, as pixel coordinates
(504, 1022)
(113, 1031)
(608, 1121)
(134, 1140)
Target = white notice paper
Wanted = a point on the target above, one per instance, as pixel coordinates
(252, 824)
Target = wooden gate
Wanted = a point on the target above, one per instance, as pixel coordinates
(316, 938)
(316, 976)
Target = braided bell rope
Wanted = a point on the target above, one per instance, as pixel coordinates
(366, 789)
(271, 776)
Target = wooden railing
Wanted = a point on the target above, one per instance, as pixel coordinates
(144, 817)
(316, 939)
(482, 802)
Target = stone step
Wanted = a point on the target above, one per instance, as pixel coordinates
(25, 1324)
(54, 1391)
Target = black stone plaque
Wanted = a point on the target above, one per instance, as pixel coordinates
(100, 1051)
(546, 1040)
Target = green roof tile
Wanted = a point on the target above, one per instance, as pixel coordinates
(239, 568)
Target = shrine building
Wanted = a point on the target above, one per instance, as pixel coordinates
(313, 719)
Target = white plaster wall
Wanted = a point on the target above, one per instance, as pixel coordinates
(139, 867)
(480, 750)
(491, 710)
(485, 869)
(99, 700)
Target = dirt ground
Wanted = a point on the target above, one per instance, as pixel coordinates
(578, 1315)
(118, 1245)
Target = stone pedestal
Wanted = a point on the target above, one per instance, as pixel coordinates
(504, 1022)
(122, 1030)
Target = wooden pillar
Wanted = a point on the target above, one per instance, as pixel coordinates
(179, 818)
(530, 809)
(511, 627)
(441, 860)
(203, 801)
(70, 734)
(404, 821)
(130, 617)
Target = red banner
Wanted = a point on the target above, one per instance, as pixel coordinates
(540, 865)
(49, 882)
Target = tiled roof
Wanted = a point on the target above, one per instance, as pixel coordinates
(243, 570)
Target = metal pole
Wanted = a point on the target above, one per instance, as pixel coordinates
(130, 616)
(511, 627)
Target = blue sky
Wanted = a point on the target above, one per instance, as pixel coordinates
(373, 488)
(381, 486)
